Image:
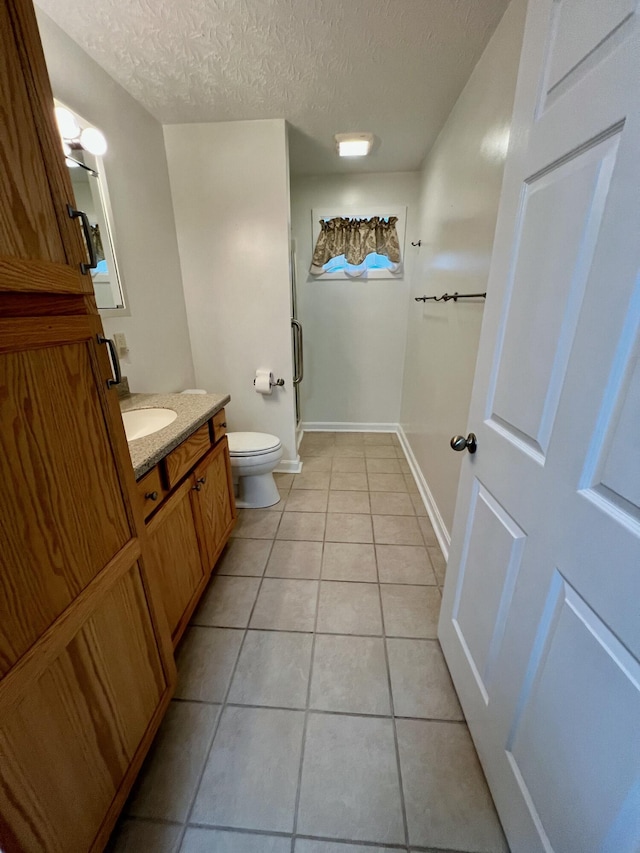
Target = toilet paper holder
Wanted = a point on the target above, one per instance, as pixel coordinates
(279, 383)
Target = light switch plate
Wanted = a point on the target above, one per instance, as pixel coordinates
(120, 341)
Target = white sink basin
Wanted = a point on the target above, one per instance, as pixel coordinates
(141, 422)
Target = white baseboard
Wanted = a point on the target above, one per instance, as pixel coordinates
(442, 534)
(289, 466)
(342, 426)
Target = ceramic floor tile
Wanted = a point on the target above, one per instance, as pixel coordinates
(350, 675)
(391, 503)
(428, 533)
(286, 605)
(205, 661)
(418, 505)
(311, 480)
(251, 776)
(302, 525)
(349, 608)
(283, 481)
(291, 559)
(349, 502)
(304, 845)
(380, 451)
(256, 524)
(404, 564)
(168, 779)
(314, 464)
(410, 483)
(383, 466)
(350, 787)
(244, 557)
(199, 840)
(440, 767)
(348, 527)
(410, 611)
(420, 681)
(396, 530)
(309, 452)
(438, 562)
(378, 438)
(404, 466)
(348, 465)
(349, 438)
(273, 670)
(347, 561)
(307, 500)
(227, 602)
(349, 482)
(132, 836)
(387, 483)
(349, 451)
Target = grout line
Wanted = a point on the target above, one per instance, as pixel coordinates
(393, 715)
(223, 704)
(306, 713)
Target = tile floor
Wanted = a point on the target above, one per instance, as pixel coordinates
(314, 712)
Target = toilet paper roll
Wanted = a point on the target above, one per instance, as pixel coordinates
(264, 382)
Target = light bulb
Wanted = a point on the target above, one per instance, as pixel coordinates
(67, 124)
(93, 141)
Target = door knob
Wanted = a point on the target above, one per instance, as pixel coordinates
(470, 443)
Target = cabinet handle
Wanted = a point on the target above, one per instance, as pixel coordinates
(86, 227)
(201, 480)
(223, 425)
(115, 361)
(197, 487)
(151, 496)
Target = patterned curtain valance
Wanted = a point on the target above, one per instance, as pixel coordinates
(355, 239)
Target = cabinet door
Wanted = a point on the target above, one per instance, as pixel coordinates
(176, 561)
(41, 248)
(216, 508)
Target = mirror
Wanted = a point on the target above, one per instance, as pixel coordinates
(91, 196)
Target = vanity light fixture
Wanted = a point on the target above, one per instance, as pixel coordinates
(353, 144)
(74, 135)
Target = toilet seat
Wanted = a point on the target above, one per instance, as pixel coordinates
(243, 444)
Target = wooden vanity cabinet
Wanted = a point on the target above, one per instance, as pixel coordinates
(86, 664)
(192, 526)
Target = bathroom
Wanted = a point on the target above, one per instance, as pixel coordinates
(214, 225)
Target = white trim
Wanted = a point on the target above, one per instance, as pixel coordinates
(341, 426)
(437, 522)
(289, 466)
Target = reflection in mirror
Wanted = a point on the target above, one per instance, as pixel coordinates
(91, 196)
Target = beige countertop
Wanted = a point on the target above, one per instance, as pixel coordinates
(193, 411)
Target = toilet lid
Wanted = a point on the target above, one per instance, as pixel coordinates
(251, 443)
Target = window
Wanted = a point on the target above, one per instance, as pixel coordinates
(374, 265)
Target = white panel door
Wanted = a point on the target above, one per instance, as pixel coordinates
(540, 621)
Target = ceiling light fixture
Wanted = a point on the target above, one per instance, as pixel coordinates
(353, 144)
(93, 141)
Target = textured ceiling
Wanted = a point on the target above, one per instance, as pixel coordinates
(393, 68)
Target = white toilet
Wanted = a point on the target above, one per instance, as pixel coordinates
(254, 455)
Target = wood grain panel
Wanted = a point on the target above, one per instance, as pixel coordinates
(176, 563)
(21, 334)
(219, 425)
(151, 491)
(181, 460)
(215, 502)
(67, 746)
(62, 516)
(28, 222)
(37, 277)
(35, 79)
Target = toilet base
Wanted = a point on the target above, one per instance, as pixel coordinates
(257, 491)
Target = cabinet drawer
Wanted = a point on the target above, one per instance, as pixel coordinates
(151, 491)
(219, 425)
(180, 461)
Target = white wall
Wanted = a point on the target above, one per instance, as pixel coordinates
(460, 190)
(159, 356)
(230, 188)
(354, 330)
